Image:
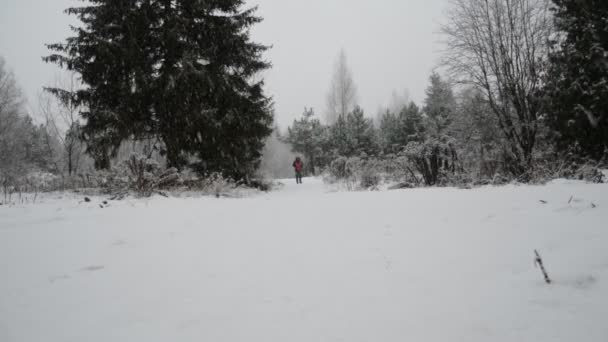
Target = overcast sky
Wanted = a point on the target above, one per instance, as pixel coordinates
(391, 45)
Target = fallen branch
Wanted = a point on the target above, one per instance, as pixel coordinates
(119, 195)
(167, 181)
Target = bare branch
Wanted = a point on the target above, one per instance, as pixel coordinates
(342, 96)
(499, 46)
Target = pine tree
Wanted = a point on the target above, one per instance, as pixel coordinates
(437, 152)
(307, 136)
(397, 131)
(178, 71)
(362, 135)
(411, 125)
(353, 135)
(577, 83)
(440, 105)
(389, 132)
(339, 139)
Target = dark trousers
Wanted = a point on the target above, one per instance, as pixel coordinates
(299, 177)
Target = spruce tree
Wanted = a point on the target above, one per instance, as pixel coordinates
(440, 105)
(411, 125)
(339, 139)
(389, 132)
(178, 71)
(307, 136)
(361, 132)
(576, 87)
(399, 130)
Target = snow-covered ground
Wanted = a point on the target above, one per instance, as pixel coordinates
(307, 264)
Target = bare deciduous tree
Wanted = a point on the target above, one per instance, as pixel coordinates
(10, 96)
(10, 121)
(63, 120)
(342, 96)
(500, 46)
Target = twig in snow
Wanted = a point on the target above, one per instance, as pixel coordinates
(593, 205)
(543, 201)
(539, 262)
(161, 193)
(571, 198)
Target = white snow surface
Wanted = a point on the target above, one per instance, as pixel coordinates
(307, 264)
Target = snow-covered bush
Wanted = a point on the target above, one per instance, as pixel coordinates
(338, 168)
(143, 174)
(41, 181)
(356, 173)
(434, 160)
(398, 168)
(217, 184)
(369, 175)
(345, 170)
(551, 165)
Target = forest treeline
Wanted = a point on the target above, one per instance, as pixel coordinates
(169, 92)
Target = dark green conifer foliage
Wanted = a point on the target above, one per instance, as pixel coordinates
(182, 72)
(308, 136)
(362, 135)
(576, 87)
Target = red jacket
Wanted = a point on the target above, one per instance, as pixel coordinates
(298, 165)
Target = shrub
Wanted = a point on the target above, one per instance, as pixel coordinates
(433, 159)
(356, 173)
(370, 176)
(143, 174)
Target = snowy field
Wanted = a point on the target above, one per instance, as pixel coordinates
(308, 264)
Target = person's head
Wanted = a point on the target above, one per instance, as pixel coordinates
(298, 159)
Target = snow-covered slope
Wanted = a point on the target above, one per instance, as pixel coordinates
(306, 264)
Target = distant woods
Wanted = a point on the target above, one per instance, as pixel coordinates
(519, 95)
(24, 144)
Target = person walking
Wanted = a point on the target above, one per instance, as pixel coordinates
(298, 166)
